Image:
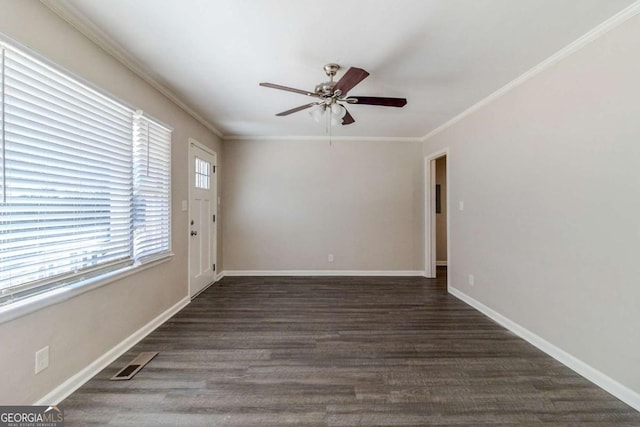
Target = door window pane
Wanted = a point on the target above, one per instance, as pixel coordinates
(203, 174)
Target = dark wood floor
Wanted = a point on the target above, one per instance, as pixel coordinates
(340, 352)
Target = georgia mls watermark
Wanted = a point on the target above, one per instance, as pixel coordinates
(31, 416)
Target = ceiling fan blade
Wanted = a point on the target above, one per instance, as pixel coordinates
(352, 77)
(377, 100)
(295, 110)
(347, 119)
(289, 89)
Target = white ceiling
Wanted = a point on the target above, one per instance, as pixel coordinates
(442, 55)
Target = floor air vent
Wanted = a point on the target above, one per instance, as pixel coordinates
(134, 366)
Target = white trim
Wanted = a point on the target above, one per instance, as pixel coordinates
(203, 147)
(563, 53)
(323, 138)
(441, 263)
(37, 302)
(192, 297)
(76, 19)
(391, 273)
(62, 391)
(600, 379)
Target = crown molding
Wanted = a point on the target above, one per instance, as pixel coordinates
(308, 138)
(597, 32)
(76, 19)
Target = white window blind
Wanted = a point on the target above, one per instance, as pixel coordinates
(152, 188)
(84, 189)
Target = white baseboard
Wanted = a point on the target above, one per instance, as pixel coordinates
(441, 263)
(61, 392)
(603, 381)
(322, 273)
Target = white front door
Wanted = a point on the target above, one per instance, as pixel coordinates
(202, 221)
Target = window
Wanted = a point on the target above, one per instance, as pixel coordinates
(84, 180)
(203, 174)
(151, 188)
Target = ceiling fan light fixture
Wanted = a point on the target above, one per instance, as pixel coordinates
(317, 112)
(338, 111)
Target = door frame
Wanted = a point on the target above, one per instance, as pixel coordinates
(190, 181)
(430, 213)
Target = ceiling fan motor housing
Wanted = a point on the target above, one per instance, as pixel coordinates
(325, 88)
(331, 69)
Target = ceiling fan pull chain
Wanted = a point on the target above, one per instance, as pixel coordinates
(328, 114)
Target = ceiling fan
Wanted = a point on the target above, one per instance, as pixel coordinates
(333, 96)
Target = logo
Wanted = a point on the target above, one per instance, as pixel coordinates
(31, 416)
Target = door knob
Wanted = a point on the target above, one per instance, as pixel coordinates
(194, 233)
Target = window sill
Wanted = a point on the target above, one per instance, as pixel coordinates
(56, 296)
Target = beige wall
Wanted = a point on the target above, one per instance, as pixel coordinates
(82, 329)
(441, 218)
(288, 204)
(550, 178)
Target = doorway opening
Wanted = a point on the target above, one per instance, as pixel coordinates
(437, 223)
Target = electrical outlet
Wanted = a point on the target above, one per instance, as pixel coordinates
(42, 359)
(472, 280)
(330, 258)
(185, 206)
(461, 205)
